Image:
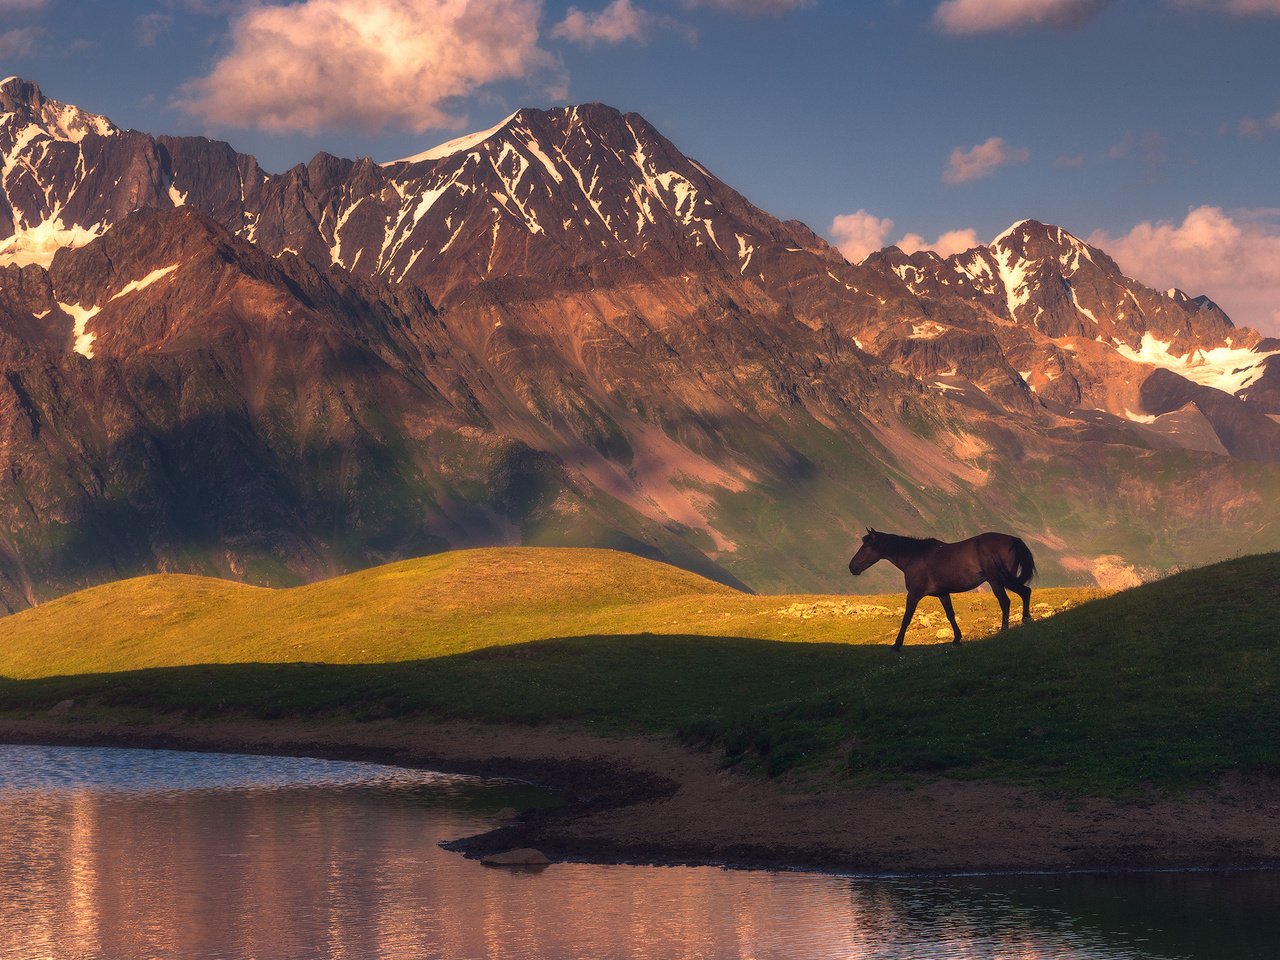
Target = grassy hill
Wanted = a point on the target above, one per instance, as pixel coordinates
(434, 607)
(1170, 683)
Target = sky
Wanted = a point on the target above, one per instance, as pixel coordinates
(1149, 127)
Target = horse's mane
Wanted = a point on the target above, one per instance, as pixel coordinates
(898, 543)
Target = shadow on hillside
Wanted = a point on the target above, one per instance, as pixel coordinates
(1167, 684)
(645, 680)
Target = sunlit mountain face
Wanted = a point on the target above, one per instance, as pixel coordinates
(562, 330)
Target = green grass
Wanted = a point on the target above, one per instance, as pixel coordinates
(430, 608)
(1169, 684)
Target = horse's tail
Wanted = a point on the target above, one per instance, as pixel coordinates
(1025, 561)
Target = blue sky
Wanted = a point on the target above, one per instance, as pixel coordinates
(1151, 126)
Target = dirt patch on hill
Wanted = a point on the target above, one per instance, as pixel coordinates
(648, 799)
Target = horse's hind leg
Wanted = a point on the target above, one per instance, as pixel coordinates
(1024, 592)
(912, 600)
(951, 614)
(1003, 599)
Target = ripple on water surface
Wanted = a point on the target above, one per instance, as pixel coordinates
(126, 854)
(37, 769)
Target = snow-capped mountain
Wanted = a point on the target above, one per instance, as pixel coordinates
(563, 330)
(1078, 331)
(542, 191)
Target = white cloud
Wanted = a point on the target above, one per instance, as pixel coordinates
(365, 64)
(1253, 127)
(858, 234)
(962, 17)
(982, 160)
(18, 43)
(1239, 8)
(969, 17)
(751, 8)
(948, 243)
(1231, 257)
(148, 27)
(862, 233)
(618, 22)
(1245, 8)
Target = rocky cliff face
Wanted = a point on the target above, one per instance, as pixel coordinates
(562, 330)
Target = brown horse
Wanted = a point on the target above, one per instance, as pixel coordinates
(936, 569)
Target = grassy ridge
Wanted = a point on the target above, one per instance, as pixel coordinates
(1170, 683)
(429, 608)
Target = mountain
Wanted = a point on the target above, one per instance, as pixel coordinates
(562, 330)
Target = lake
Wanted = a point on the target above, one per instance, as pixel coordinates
(123, 854)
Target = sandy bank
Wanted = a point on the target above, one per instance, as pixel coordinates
(648, 799)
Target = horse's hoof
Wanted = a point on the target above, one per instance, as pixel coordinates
(955, 643)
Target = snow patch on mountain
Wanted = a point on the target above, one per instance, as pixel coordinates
(451, 147)
(38, 244)
(929, 330)
(81, 316)
(133, 286)
(1013, 276)
(1230, 369)
(1080, 308)
(1008, 232)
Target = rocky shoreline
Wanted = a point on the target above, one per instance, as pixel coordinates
(650, 800)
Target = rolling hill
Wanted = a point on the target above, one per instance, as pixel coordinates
(435, 607)
(1172, 683)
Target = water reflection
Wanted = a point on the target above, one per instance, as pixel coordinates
(123, 854)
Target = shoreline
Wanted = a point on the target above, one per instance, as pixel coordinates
(650, 800)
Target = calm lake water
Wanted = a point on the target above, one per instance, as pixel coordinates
(126, 854)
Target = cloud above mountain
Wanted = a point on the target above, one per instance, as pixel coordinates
(751, 8)
(963, 17)
(1234, 257)
(619, 22)
(1239, 8)
(861, 233)
(969, 17)
(982, 160)
(20, 42)
(366, 64)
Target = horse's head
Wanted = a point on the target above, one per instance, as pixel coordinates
(867, 554)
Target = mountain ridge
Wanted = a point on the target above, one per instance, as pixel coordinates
(567, 332)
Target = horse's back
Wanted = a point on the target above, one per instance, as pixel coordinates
(993, 538)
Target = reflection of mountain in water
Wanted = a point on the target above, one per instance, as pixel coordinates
(338, 872)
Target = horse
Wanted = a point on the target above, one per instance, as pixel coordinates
(936, 569)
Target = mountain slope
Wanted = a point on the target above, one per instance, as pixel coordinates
(563, 331)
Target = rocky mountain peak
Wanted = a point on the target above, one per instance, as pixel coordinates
(1034, 240)
(30, 113)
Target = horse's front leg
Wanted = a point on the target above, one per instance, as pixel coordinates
(912, 600)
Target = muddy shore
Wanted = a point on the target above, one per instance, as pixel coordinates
(651, 800)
